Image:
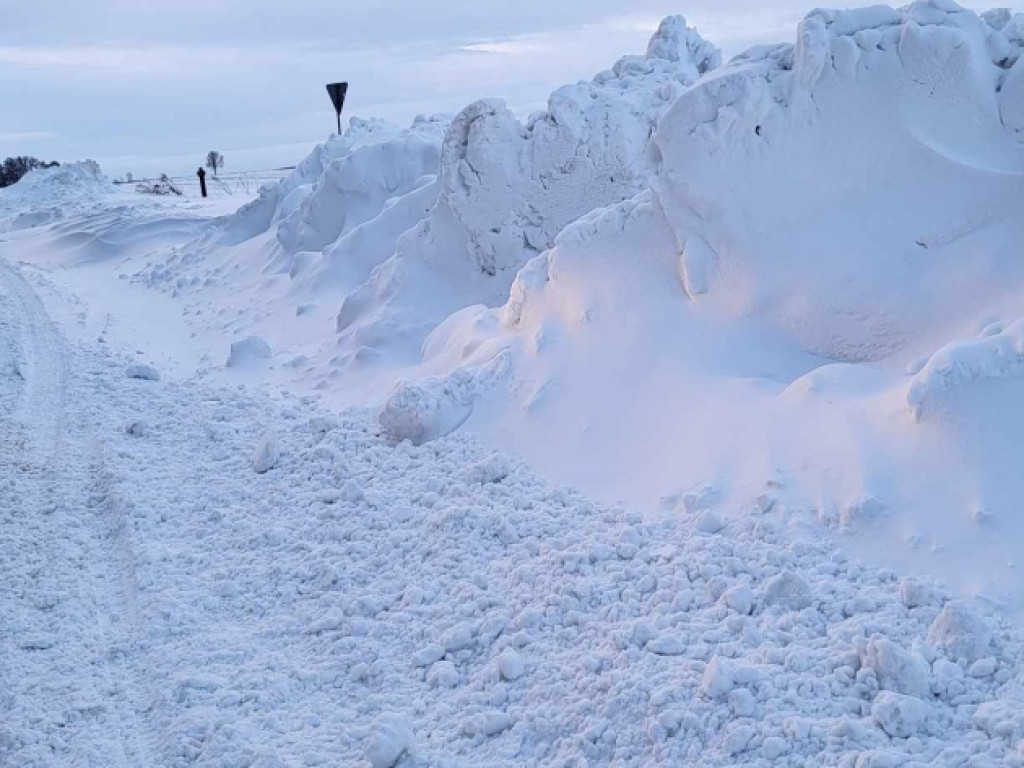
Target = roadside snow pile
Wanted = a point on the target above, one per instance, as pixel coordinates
(511, 188)
(381, 233)
(375, 604)
(763, 322)
(44, 195)
(780, 174)
(355, 189)
(507, 189)
(278, 201)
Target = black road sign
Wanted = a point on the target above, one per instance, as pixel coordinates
(337, 93)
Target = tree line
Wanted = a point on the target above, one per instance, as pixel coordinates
(13, 168)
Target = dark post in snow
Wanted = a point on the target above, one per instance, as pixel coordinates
(202, 181)
(337, 92)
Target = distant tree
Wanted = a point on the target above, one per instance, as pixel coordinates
(214, 160)
(129, 177)
(14, 168)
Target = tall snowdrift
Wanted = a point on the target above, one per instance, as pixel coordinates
(506, 189)
(391, 230)
(756, 331)
(858, 186)
(341, 184)
(512, 188)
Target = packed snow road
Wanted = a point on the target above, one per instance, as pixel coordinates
(67, 692)
(361, 603)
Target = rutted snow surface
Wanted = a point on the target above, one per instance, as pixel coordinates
(361, 602)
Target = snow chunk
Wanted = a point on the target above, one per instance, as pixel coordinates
(511, 665)
(722, 675)
(443, 675)
(493, 469)
(709, 522)
(1003, 717)
(788, 590)
(424, 410)
(896, 669)
(248, 351)
(960, 632)
(900, 716)
(946, 673)
(738, 739)
(458, 637)
(267, 453)
(915, 593)
(739, 598)
(964, 363)
(674, 41)
(667, 645)
(983, 667)
(427, 655)
(773, 748)
(487, 724)
(392, 737)
(142, 371)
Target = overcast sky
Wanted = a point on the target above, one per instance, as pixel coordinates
(142, 85)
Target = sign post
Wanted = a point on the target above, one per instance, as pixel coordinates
(337, 93)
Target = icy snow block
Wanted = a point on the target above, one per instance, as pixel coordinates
(960, 632)
(249, 350)
(1001, 717)
(267, 453)
(788, 590)
(420, 411)
(511, 665)
(142, 371)
(896, 669)
(900, 716)
(391, 738)
(493, 469)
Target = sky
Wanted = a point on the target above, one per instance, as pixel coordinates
(149, 86)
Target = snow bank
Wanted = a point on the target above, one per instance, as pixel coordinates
(507, 189)
(820, 215)
(279, 200)
(997, 354)
(781, 175)
(513, 187)
(46, 194)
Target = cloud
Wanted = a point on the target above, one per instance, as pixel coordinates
(20, 136)
(145, 78)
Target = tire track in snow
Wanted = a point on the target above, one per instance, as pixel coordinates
(67, 697)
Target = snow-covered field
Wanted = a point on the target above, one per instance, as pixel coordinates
(675, 425)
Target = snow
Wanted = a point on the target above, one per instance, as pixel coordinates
(249, 351)
(45, 195)
(960, 632)
(392, 738)
(267, 453)
(675, 424)
(142, 371)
